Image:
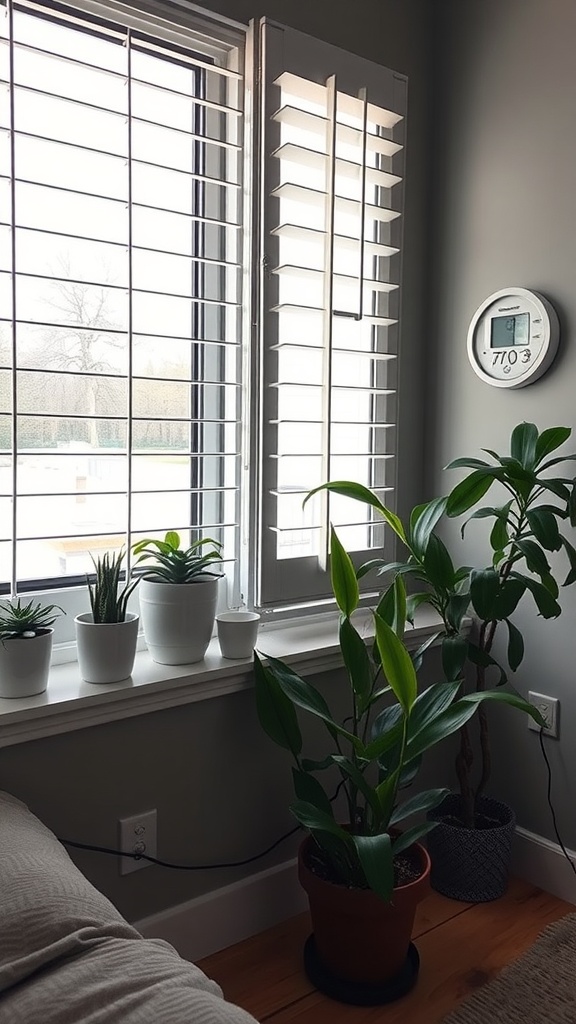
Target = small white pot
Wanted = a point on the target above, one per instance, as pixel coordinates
(106, 650)
(25, 664)
(178, 618)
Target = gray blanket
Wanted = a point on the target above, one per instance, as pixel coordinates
(68, 957)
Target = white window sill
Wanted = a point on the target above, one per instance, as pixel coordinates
(310, 646)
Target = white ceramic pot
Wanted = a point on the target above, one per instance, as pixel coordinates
(106, 650)
(25, 664)
(178, 618)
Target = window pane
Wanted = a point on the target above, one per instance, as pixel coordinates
(116, 382)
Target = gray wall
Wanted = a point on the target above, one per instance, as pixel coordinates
(220, 787)
(505, 214)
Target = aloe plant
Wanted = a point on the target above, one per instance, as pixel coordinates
(174, 564)
(18, 620)
(106, 602)
(376, 750)
(525, 526)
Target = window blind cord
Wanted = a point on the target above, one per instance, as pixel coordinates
(549, 799)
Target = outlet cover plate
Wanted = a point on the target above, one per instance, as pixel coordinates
(549, 707)
(137, 834)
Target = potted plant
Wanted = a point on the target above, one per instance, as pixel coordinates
(107, 635)
(471, 848)
(363, 875)
(178, 597)
(25, 647)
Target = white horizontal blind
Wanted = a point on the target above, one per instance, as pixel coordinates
(120, 286)
(333, 141)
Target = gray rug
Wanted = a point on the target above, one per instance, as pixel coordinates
(539, 988)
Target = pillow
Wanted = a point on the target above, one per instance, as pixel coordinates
(67, 956)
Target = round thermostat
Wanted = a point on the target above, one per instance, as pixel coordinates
(513, 338)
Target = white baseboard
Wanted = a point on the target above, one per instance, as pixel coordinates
(218, 919)
(543, 863)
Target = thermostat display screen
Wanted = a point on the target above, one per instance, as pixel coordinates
(508, 331)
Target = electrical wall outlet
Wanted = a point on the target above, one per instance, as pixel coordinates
(137, 834)
(549, 708)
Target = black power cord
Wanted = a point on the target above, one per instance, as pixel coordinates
(191, 867)
(549, 799)
(180, 867)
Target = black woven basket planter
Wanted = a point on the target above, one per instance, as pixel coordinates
(471, 864)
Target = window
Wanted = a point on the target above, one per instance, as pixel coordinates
(120, 281)
(133, 396)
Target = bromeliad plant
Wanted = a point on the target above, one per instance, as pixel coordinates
(174, 564)
(107, 604)
(18, 621)
(525, 527)
(376, 752)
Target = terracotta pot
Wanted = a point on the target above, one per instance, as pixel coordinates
(358, 936)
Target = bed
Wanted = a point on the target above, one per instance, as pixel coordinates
(67, 956)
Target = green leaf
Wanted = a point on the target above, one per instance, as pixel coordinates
(306, 696)
(468, 464)
(309, 765)
(357, 662)
(413, 602)
(469, 491)
(454, 656)
(523, 444)
(486, 512)
(508, 597)
(550, 440)
(350, 771)
(422, 521)
(572, 505)
(484, 587)
(418, 804)
(558, 487)
(513, 700)
(375, 856)
(478, 656)
(571, 553)
(499, 535)
(344, 582)
(430, 704)
(515, 646)
(172, 539)
(536, 560)
(308, 789)
(439, 728)
(411, 836)
(312, 818)
(438, 565)
(275, 710)
(544, 526)
(456, 609)
(397, 664)
(392, 606)
(418, 655)
(547, 606)
(349, 489)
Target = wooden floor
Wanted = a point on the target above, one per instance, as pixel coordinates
(461, 946)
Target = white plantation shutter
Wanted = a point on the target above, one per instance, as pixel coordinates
(333, 133)
(121, 188)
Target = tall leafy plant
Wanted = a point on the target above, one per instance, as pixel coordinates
(526, 526)
(376, 748)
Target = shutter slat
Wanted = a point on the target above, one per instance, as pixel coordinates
(304, 157)
(343, 204)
